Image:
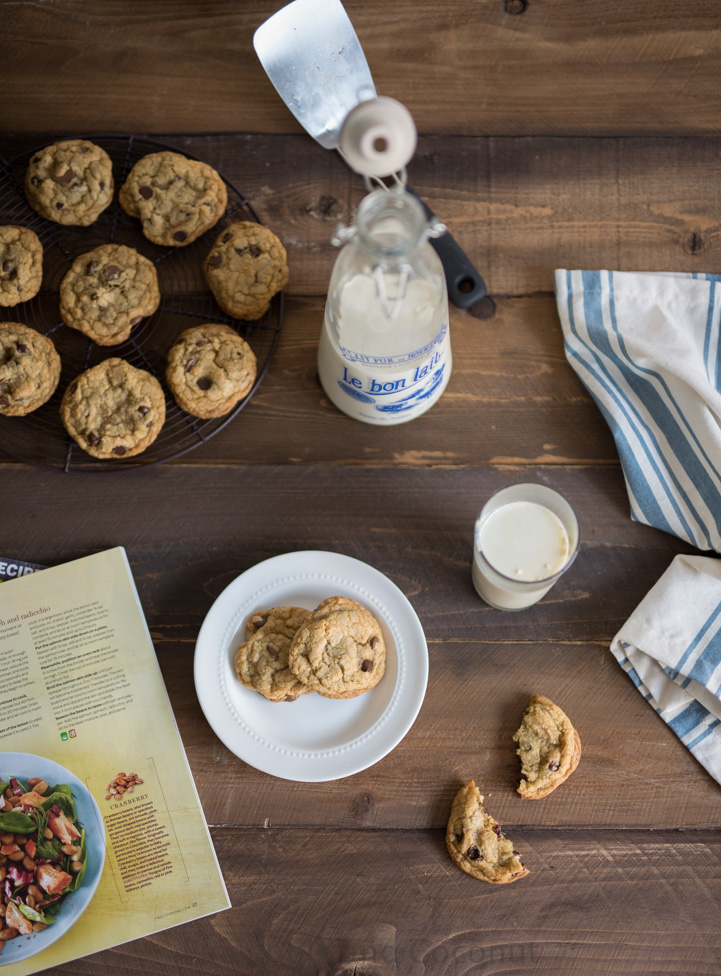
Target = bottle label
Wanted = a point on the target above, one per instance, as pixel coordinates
(387, 389)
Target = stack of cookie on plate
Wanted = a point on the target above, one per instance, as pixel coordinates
(115, 409)
(336, 650)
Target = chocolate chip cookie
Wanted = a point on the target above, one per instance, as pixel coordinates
(477, 844)
(107, 291)
(176, 199)
(29, 369)
(246, 267)
(113, 410)
(549, 748)
(210, 369)
(21, 265)
(339, 652)
(261, 663)
(70, 182)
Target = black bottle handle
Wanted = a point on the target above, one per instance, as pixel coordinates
(465, 284)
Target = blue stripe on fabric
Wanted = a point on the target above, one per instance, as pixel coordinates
(692, 716)
(708, 623)
(650, 507)
(678, 439)
(633, 675)
(594, 320)
(708, 661)
(699, 738)
(707, 335)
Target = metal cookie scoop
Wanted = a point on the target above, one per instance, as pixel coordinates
(313, 57)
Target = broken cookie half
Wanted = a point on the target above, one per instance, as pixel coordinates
(476, 842)
(549, 748)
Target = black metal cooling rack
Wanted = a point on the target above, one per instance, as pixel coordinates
(39, 437)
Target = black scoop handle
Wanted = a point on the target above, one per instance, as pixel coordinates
(465, 284)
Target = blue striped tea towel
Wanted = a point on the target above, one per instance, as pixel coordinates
(647, 348)
(670, 647)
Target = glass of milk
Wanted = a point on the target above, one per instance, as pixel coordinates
(525, 539)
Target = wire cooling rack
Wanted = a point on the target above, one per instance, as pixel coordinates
(39, 437)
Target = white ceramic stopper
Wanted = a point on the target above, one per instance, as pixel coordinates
(378, 137)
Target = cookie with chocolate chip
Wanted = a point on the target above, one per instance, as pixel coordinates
(176, 199)
(210, 369)
(339, 652)
(261, 662)
(114, 409)
(245, 268)
(21, 265)
(107, 291)
(70, 182)
(29, 369)
(549, 748)
(476, 842)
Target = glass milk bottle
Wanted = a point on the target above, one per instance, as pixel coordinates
(385, 355)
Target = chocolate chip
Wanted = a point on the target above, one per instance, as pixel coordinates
(272, 651)
(90, 267)
(373, 641)
(67, 177)
(227, 237)
(202, 342)
(93, 439)
(101, 185)
(22, 347)
(111, 272)
(3, 381)
(179, 236)
(94, 297)
(35, 180)
(204, 383)
(4, 402)
(143, 410)
(459, 838)
(498, 830)
(553, 766)
(145, 192)
(84, 149)
(214, 260)
(259, 621)
(254, 251)
(7, 266)
(59, 206)
(290, 698)
(190, 364)
(36, 159)
(367, 665)
(138, 318)
(119, 450)
(473, 854)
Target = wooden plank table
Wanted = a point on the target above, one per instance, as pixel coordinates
(565, 133)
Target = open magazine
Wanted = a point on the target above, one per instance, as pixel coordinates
(102, 835)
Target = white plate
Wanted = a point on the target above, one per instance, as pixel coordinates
(24, 765)
(313, 739)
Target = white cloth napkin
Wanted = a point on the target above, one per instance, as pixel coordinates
(647, 348)
(670, 647)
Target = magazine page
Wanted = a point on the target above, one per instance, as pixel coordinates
(103, 837)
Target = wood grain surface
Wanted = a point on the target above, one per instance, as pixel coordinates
(500, 67)
(554, 133)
